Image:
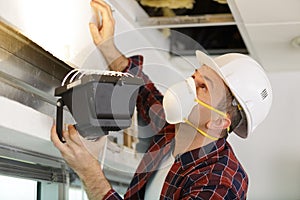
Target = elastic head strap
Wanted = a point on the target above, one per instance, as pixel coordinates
(223, 114)
(199, 130)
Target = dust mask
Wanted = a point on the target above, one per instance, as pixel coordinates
(179, 101)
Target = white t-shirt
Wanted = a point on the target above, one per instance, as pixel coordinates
(157, 179)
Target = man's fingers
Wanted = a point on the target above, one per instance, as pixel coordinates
(65, 134)
(104, 9)
(74, 136)
(101, 3)
(56, 141)
(95, 33)
(69, 136)
(105, 31)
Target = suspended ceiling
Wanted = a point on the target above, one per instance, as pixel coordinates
(267, 27)
(206, 25)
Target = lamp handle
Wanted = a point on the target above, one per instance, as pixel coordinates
(59, 119)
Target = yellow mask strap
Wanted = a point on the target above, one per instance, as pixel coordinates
(223, 114)
(200, 131)
(211, 108)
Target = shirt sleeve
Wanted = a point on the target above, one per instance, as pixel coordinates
(216, 192)
(112, 195)
(212, 187)
(149, 105)
(149, 100)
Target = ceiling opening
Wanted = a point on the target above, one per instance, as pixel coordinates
(195, 24)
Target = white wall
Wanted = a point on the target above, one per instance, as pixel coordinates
(271, 155)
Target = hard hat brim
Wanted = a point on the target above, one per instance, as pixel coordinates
(245, 126)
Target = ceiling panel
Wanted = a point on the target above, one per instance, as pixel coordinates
(272, 45)
(269, 11)
(267, 27)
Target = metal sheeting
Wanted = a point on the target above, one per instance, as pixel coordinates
(25, 164)
(28, 73)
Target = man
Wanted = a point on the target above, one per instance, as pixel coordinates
(189, 157)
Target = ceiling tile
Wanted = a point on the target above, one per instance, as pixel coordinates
(269, 11)
(272, 45)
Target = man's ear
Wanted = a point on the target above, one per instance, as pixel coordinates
(218, 124)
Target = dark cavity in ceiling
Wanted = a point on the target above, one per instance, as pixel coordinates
(215, 40)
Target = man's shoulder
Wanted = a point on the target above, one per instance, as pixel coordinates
(222, 168)
(228, 170)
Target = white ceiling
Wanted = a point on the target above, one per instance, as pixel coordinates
(268, 11)
(268, 26)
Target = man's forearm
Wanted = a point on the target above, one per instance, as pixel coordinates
(115, 59)
(95, 183)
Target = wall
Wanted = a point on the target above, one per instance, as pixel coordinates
(271, 155)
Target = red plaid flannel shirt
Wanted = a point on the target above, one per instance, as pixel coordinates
(209, 172)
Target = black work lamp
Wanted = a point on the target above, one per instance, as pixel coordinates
(98, 103)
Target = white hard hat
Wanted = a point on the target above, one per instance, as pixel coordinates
(248, 83)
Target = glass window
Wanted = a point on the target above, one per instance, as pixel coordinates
(17, 188)
(77, 193)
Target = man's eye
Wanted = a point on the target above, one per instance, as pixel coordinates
(202, 86)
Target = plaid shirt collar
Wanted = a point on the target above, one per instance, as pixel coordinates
(201, 154)
(189, 158)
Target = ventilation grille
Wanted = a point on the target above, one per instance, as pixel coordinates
(264, 94)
